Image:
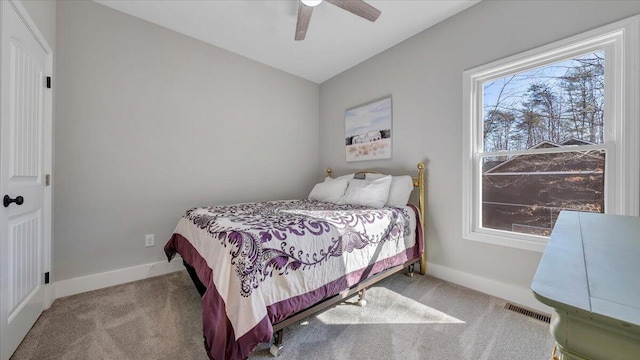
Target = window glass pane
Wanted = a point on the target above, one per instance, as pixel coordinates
(525, 193)
(562, 103)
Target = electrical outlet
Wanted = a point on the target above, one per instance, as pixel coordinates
(149, 240)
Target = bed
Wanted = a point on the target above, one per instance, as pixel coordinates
(260, 267)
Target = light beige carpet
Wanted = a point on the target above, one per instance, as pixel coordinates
(406, 318)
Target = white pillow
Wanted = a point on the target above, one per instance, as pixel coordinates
(329, 191)
(368, 193)
(400, 191)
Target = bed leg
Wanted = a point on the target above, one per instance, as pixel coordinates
(361, 300)
(276, 347)
(410, 270)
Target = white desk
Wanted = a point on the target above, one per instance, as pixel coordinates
(590, 275)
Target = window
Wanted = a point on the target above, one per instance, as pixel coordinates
(552, 129)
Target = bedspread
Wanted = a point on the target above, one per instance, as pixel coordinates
(262, 262)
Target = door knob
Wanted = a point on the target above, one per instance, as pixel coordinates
(19, 200)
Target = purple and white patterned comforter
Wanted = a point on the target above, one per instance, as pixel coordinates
(262, 262)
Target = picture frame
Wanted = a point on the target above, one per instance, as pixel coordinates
(368, 131)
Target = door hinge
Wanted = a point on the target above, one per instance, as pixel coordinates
(48, 82)
(47, 180)
(46, 277)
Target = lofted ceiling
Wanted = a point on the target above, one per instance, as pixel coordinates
(263, 30)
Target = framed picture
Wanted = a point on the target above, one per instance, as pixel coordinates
(368, 131)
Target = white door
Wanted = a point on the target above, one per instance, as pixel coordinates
(25, 156)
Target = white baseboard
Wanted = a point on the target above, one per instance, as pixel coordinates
(116, 277)
(516, 294)
(512, 293)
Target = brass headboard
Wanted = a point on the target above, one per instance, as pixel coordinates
(418, 182)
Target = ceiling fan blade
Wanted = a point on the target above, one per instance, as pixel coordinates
(304, 17)
(358, 7)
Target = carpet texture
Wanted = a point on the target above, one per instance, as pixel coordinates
(406, 318)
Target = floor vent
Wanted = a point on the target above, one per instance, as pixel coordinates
(528, 312)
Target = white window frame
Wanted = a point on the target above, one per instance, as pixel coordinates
(620, 41)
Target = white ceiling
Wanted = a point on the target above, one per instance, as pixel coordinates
(263, 30)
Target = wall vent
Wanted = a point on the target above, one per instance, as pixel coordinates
(528, 312)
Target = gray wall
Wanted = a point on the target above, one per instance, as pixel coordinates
(150, 123)
(43, 13)
(424, 76)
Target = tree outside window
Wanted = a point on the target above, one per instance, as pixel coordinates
(559, 106)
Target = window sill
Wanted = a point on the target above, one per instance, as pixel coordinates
(517, 241)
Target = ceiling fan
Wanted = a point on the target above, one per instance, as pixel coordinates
(357, 7)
